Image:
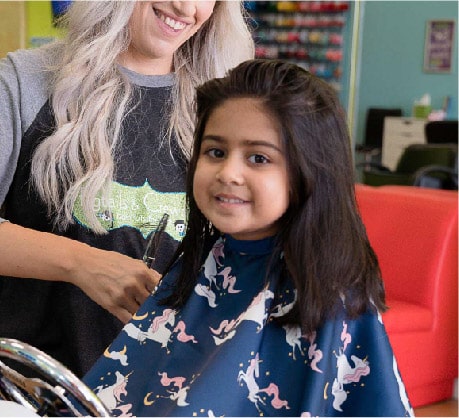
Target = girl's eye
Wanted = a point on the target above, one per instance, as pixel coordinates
(258, 159)
(215, 153)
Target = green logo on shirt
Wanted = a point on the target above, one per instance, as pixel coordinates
(138, 207)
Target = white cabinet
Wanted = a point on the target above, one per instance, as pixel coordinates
(398, 134)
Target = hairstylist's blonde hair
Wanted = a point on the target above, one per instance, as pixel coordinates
(90, 97)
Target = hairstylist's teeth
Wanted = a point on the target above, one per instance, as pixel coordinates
(173, 24)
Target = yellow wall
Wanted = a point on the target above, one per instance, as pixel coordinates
(40, 28)
(25, 24)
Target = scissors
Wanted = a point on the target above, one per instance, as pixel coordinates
(154, 241)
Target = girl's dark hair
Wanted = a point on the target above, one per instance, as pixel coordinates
(326, 250)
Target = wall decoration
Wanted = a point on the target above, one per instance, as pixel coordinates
(439, 46)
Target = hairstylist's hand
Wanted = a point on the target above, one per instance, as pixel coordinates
(117, 282)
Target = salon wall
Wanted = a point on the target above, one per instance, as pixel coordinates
(40, 28)
(25, 24)
(12, 26)
(391, 55)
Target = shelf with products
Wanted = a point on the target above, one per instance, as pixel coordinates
(319, 6)
(309, 33)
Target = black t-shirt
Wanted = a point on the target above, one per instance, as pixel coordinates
(58, 317)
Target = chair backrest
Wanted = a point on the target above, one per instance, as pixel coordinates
(374, 124)
(441, 132)
(414, 233)
(416, 156)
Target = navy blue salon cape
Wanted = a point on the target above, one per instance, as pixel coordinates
(223, 355)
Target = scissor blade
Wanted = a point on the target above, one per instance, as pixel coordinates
(155, 239)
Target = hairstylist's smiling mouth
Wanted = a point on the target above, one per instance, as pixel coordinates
(172, 22)
(158, 29)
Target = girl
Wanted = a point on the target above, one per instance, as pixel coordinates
(272, 303)
(95, 132)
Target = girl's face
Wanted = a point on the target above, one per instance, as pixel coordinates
(158, 29)
(241, 182)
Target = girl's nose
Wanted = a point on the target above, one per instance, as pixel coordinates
(231, 171)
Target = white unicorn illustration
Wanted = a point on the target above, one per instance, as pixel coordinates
(293, 338)
(256, 312)
(250, 377)
(347, 374)
(157, 331)
(111, 395)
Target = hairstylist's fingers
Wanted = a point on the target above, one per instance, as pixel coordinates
(124, 315)
(141, 295)
(147, 287)
(155, 277)
(124, 307)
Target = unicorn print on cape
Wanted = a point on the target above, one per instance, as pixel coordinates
(250, 376)
(256, 312)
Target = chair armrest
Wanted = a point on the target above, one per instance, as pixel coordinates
(448, 177)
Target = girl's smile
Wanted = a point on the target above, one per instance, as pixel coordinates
(230, 200)
(241, 182)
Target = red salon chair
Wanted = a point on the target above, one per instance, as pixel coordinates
(414, 232)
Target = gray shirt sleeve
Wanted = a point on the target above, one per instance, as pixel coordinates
(24, 87)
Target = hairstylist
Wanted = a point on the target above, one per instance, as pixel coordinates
(95, 131)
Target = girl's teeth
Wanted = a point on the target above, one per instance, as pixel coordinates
(230, 200)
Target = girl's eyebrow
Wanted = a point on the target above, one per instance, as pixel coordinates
(250, 142)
